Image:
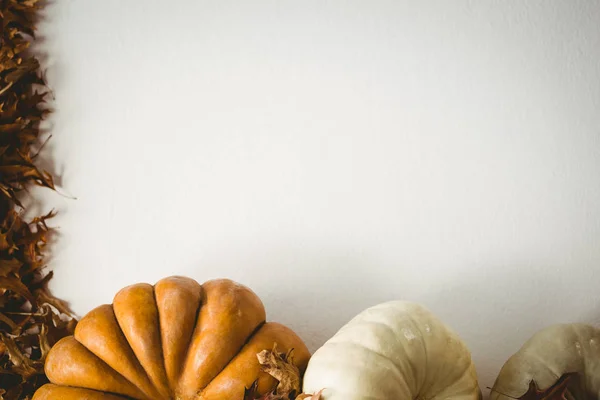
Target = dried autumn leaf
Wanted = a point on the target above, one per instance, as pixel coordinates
(10, 266)
(281, 367)
(31, 318)
(9, 322)
(15, 285)
(4, 244)
(44, 297)
(554, 392)
(24, 67)
(21, 363)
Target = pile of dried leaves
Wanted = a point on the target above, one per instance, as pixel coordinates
(281, 367)
(31, 319)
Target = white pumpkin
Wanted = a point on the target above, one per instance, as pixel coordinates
(549, 355)
(393, 351)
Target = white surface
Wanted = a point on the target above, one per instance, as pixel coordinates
(332, 155)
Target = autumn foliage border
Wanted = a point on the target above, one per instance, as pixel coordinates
(31, 319)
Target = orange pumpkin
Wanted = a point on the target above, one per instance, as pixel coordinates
(176, 340)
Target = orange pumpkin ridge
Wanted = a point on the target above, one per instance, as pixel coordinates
(175, 340)
(178, 300)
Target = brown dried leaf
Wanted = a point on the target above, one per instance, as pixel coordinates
(6, 129)
(9, 322)
(16, 286)
(44, 297)
(554, 392)
(252, 394)
(4, 243)
(282, 368)
(45, 345)
(14, 393)
(31, 318)
(21, 363)
(8, 267)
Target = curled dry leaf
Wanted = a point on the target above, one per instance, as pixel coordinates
(281, 367)
(558, 391)
(31, 319)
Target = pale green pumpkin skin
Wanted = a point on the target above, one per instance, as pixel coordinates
(549, 354)
(393, 351)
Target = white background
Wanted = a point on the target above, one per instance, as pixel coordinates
(332, 155)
